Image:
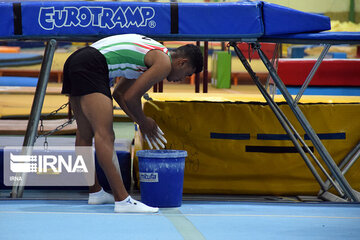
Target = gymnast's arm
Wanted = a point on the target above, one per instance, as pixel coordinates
(121, 87)
(128, 93)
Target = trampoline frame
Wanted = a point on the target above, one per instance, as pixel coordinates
(339, 182)
(254, 34)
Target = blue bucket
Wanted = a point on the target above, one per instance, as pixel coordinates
(161, 174)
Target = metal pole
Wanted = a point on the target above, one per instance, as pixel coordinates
(352, 11)
(205, 74)
(352, 155)
(350, 163)
(282, 119)
(161, 86)
(312, 72)
(345, 165)
(31, 130)
(274, 56)
(69, 110)
(309, 130)
(197, 75)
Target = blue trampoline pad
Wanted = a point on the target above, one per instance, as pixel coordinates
(46, 219)
(215, 21)
(18, 81)
(331, 91)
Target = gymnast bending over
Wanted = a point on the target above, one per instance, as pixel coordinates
(140, 62)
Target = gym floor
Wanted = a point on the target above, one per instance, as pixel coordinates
(75, 219)
(66, 214)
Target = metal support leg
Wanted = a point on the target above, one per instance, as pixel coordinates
(312, 72)
(350, 159)
(31, 131)
(161, 86)
(281, 117)
(345, 186)
(197, 75)
(205, 72)
(274, 62)
(346, 163)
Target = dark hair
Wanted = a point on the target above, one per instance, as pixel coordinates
(194, 54)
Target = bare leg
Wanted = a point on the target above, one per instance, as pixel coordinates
(94, 116)
(84, 134)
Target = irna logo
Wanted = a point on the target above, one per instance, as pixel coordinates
(51, 166)
(50, 18)
(45, 163)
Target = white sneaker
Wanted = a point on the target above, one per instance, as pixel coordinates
(100, 197)
(130, 205)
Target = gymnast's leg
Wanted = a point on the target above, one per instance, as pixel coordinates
(84, 137)
(96, 111)
(96, 120)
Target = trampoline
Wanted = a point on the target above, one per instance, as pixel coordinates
(250, 22)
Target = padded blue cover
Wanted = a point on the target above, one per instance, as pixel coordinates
(330, 36)
(6, 19)
(242, 19)
(94, 18)
(109, 18)
(282, 20)
(210, 21)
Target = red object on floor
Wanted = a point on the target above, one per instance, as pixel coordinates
(331, 72)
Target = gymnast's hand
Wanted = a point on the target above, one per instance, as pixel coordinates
(153, 134)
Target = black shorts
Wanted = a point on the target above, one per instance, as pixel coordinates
(85, 72)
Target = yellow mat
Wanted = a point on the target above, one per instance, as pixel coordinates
(17, 101)
(241, 148)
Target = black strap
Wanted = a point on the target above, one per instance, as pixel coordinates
(174, 14)
(17, 18)
(274, 149)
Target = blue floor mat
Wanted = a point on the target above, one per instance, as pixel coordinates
(74, 219)
(333, 91)
(18, 81)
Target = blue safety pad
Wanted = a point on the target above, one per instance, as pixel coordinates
(330, 91)
(18, 81)
(283, 20)
(218, 19)
(211, 21)
(6, 19)
(330, 36)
